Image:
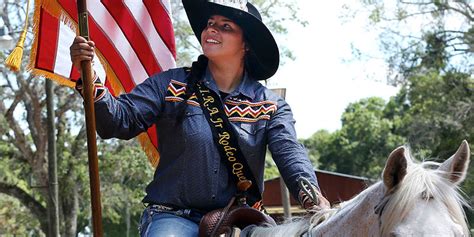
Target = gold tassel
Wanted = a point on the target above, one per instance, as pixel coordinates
(13, 62)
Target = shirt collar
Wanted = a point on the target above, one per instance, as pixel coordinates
(246, 86)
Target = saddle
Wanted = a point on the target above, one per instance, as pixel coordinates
(221, 221)
(237, 213)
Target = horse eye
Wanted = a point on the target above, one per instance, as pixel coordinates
(426, 196)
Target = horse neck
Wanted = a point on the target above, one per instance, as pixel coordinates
(356, 216)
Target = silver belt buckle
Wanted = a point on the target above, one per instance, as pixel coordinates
(161, 207)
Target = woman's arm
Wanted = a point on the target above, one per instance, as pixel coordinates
(129, 114)
(290, 156)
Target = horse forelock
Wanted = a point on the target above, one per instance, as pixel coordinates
(422, 183)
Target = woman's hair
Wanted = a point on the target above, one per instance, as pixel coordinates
(197, 71)
(249, 58)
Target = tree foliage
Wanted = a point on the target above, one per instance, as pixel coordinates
(19, 223)
(407, 28)
(361, 145)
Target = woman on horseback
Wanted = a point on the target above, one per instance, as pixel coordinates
(214, 121)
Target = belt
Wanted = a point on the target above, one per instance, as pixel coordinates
(191, 214)
(160, 207)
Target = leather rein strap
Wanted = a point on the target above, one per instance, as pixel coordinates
(226, 141)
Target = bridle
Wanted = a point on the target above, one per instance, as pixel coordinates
(379, 208)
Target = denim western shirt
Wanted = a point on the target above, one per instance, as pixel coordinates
(190, 173)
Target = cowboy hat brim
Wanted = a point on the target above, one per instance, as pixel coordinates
(264, 59)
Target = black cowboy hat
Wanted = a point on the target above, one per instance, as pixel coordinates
(263, 58)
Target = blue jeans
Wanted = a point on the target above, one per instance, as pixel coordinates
(157, 222)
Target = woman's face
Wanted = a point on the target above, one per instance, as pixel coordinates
(222, 39)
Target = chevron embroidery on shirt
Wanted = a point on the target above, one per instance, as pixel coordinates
(176, 91)
(246, 111)
(176, 88)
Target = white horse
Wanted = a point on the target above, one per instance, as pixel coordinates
(412, 200)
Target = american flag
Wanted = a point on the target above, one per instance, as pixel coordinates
(134, 40)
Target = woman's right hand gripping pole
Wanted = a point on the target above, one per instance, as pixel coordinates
(80, 50)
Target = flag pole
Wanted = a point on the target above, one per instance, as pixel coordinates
(87, 76)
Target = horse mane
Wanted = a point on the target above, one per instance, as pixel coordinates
(423, 182)
(295, 226)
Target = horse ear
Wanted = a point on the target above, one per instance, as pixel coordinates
(455, 168)
(395, 168)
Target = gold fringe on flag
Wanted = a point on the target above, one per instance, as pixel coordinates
(13, 62)
(149, 148)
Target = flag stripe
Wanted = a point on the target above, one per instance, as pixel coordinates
(74, 74)
(152, 134)
(107, 49)
(106, 22)
(133, 34)
(46, 48)
(124, 58)
(162, 23)
(111, 90)
(159, 48)
(63, 64)
(99, 69)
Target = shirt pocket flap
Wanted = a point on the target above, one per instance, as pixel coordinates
(252, 128)
(193, 120)
(193, 110)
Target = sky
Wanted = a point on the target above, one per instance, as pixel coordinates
(320, 83)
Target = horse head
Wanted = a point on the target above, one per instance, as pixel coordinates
(420, 200)
(413, 199)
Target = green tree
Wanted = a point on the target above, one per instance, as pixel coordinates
(408, 27)
(20, 223)
(125, 172)
(361, 146)
(440, 110)
(316, 144)
(271, 170)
